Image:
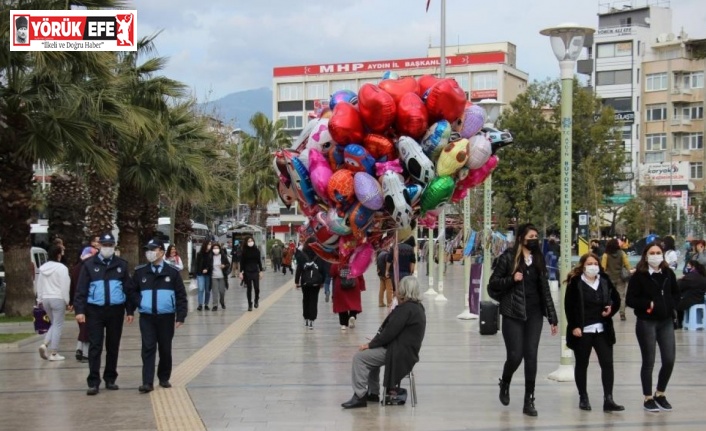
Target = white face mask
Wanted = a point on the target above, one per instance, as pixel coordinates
(216, 251)
(151, 255)
(250, 243)
(591, 270)
(107, 252)
(654, 260)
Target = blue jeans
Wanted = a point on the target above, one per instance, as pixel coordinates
(327, 285)
(204, 282)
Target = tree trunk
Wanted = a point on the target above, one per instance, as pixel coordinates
(16, 186)
(128, 221)
(182, 232)
(101, 209)
(148, 220)
(66, 207)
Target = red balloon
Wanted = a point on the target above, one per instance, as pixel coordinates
(346, 125)
(412, 117)
(376, 107)
(426, 82)
(379, 146)
(446, 100)
(399, 87)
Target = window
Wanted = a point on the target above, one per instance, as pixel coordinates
(692, 141)
(485, 81)
(463, 81)
(697, 170)
(656, 142)
(292, 121)
(617, 49)
(656, 112)
(689, 112)
(614, 77)
(690, 80)
(349, 84)
(655, 157)
(627, 133)
(619, 103)
(291, 92)
(317, 91)
(656, 81)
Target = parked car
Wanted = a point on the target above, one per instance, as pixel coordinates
(38, 257)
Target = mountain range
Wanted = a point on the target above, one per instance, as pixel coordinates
(237, 108)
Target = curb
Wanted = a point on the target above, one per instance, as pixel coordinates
(22, 343)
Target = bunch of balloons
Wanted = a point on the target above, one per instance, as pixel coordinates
(379, 160)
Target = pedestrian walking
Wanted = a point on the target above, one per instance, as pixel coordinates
(616, 265)
(406, 260)
(276, 256)
(172, 257)
(671, 255)
(204, 267)
(251, 271)
(219, 277)
(385, 291)
(235, 254)
(287, 256)
(346, 295)
(313, 274)
(53, 287)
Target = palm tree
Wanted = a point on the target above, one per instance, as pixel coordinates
(67, 203)
(259, 181)
(42, 118)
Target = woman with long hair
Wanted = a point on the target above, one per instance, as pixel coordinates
(613, 261)
(251, 271)
(520, 284)
(590, 303)
(203, 268)
(172, 257)
(670, 252)
(53, 286)
(654, 294)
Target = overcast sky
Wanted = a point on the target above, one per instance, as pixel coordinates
(221, 46)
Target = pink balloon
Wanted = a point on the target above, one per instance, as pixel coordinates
(346, 245)
(477, 176)
(320, 173)
(361, 259)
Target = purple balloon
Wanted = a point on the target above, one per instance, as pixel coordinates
(473, 119)
(368, 191)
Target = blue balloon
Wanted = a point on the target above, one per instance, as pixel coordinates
(343, 96)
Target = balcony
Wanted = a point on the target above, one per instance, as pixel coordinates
(681, 123)
(682, 95)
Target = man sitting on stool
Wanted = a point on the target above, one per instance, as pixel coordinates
(396, 346)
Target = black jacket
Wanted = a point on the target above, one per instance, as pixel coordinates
(401, 333)
(162, 293)
(692, 288)
(660, 288)
(574, 308)
(204, 261)
(103, 284)
(511, 294)
(250, 260)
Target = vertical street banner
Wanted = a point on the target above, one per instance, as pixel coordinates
(73, 30)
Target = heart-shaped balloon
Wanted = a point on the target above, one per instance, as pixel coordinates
(361, 259)
(445, 100)
(437, 193)
(368, 190)
(345, 125)
(477, 176)
(320, 173)
(452, 158)
(379, 146)
(399, 87)
(412, 117)
(426, 82)
(377, 108)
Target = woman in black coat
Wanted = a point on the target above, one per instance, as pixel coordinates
(251, 271)
(520, 284)
(654, 295)
(203, 270)
(590, 303)
(692, 288)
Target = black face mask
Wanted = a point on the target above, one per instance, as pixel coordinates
(532, 244)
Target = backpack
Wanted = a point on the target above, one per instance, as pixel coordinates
(311, 275)
(346, 283)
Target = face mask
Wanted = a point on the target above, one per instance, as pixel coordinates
(532, 244)
(591, 270)
(216, 250)
(654, 260)
(106, 252)
(250, 243)
(151, 255)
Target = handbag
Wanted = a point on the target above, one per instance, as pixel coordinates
(193, 285)
(346, 283)
(625, 274)
(41, 320)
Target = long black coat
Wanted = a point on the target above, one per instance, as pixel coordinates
(574, 307)
(401, 334)
(692, 288)
(511, 295)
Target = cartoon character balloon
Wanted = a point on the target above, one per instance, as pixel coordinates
(436, 138)
(357, 159)
(393, 191)
(340, 189)
(452, 158)
(415, 161)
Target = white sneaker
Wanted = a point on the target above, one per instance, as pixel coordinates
(56, 357)
(343, 327)
(43, 351)
(306, 323)
(311, 324)
(351, 322)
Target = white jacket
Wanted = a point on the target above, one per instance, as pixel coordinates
(53, 282)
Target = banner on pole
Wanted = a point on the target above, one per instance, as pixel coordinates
(475, 288)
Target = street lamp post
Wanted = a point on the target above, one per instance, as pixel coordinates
(442, 214)
(238, 140)
(567, 43)
(492, 109)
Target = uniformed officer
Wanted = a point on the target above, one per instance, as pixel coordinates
(163, 306)
(103, 289)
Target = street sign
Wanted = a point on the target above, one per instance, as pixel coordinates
(618, 199)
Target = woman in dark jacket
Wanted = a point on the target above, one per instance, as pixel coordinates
(692, 288)
(203, 268)
(654, 294)
(396, 346)
(251, 270)
(520, 284)
(310, 264)
(590, 303)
